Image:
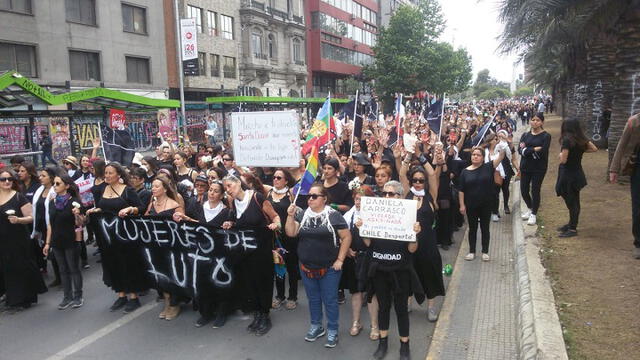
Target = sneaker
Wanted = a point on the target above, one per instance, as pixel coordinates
(636, 253)
(65, 304)
(77, 303)
(332, 339)
(485, 257)
(202, 321)
(86, 265)
(507, 210)
(470, 257)
(532, 219)
(563, 228)
(568, 233)
(219, 321)
(119, 303)
(432, 315)
(132, 305)
(526, 215)
(315, 331)
(495, 218)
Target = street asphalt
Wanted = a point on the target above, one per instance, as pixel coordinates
(92, 332)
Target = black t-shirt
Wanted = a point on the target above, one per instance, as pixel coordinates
(316, 248)
(534, 161)
(340, 194)
(389, 253)
(477, 185)
(63, 234)
(574, 160)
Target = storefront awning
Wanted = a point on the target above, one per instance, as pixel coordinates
(16, 90)
(271, 100)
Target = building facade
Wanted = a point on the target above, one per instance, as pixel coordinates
(388, 7)
(273, 37)
(218, 36)
(339, 40)
(87, 43)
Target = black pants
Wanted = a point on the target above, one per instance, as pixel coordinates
(530, 184)
(70, 276)
(257, 278)
(495, 203)
(572, 200)
(480, 213)
(386, 291)
(444, 226)
(635, 205)
(505, 190)
(293, 271)
(83, 252)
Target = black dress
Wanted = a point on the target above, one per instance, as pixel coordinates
(289, 244)
(571, 178)
(256, 268)
(426, 259)
(20, 277)
(123, 264)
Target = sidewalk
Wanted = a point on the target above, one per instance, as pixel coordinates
(478, 318)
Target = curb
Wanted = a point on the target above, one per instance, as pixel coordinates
(442, 326)
(539, 331)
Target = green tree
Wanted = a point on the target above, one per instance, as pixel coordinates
(523, 91)
(408, 57)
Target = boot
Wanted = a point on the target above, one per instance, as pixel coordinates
(163, 313)
(405, 354)
(381, 352)
(254, 324)
(264, 325)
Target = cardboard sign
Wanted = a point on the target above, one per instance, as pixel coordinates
(117, 119)
(267, 138)
(387, 218)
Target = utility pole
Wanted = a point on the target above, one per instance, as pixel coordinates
(180, 70)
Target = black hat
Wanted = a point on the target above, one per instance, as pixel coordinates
(361, 159)
(202, 178)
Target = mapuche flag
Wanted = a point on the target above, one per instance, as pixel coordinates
(323, 129)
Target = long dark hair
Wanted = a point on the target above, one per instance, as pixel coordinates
(31, 170)
(571, 130)
(121, 171)
(73, 188)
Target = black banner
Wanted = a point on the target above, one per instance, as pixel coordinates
(190, 67)
(179, 257)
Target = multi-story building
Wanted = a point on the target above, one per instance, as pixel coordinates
(89, 43)
(341, 34)
(388, 7)
(273, 61)
(218, 36)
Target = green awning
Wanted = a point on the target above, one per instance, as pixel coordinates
(270, 100)
(16, 90)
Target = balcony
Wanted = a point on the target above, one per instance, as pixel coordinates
(260, 56)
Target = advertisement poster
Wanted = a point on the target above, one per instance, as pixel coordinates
(189, 42)
(13, 139)
(59, 131)
(167, 125)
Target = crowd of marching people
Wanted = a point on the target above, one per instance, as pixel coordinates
(453, 172)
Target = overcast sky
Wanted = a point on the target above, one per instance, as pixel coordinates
(474, 25)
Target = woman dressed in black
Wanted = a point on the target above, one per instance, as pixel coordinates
(20, 279)
(122, 264)
(212, 302)
(571, 177)
(250, 212)
(281, 197)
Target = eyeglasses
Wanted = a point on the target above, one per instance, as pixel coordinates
(6, 179)
(278, 178)
(389, 193)
(417, 181)
(315, 196)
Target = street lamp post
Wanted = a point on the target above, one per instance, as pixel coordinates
(180, 70)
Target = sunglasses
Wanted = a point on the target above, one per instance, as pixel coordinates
(417, 181)
(227, 160)
(6, 179)
(389, 193)
(315, 196)
(278, 178)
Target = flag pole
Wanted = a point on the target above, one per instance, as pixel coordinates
(355, 113)
(444, 95)
(485, 130)
(102, 143)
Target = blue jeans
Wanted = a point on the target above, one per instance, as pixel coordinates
(323, 291)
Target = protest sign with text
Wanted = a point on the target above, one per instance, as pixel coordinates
(267, 138)
(388, 218)
(185, 258)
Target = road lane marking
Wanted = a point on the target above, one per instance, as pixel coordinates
(89, 339)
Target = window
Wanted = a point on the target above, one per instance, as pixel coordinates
(21, 58)
(297, 52)
(229, 67)
(212, 23)
(256, 43)
(138, 70)
(227, 27)
(21, 6)
(215, 65)
(134, 19)
(84, 65)
(195, 13)
(81, 11)
(202, 64)
(331, 38)
(272, 47)
(348, 56)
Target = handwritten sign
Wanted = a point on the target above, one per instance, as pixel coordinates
(181, 257)
(269, 138)
(84, 188)
(386, 218)
(12, 139)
